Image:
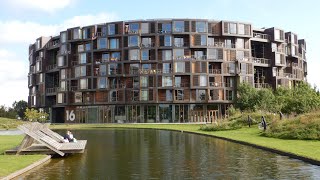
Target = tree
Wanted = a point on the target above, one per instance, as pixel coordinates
(20, 107)
(266, 100)
(246, 97)
(35, 115)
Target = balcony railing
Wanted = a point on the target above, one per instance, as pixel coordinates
(180, 44)
(261, 61)
(182, 85)
(214, 71)
(261, 36)
(50, 67)
(147, 45)
(261, 85)
(192, 57)
(216, 84)
(51, 90)
(216, 44)
(73, 88)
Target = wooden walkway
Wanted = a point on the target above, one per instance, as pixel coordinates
(40, 139)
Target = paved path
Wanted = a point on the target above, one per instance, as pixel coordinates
(11, 132)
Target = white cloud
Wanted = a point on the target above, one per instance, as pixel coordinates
(13, 32)
(43, 5)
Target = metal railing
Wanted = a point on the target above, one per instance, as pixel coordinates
(182, 85)
(216, 84)
(214, 71)
(50, 67)
(180, 44)
(262, 85)
(261, 36)
(51, 90)
(261, 61)
(147, 45)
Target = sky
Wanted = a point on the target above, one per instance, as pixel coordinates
(22, 21)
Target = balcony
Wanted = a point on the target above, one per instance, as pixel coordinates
(147, 45)
(261, 85)
(216, 84)
(260, 37)
(181, 85)
(214, 71)
(51, 91)
(51, 67)
(180, 44)
(216, 44)
(192, 57)
(261, 61)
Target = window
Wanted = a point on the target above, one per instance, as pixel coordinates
(83, 84)
(111, 29)
(167, 40)
(201, 95)
(166, 55)
(201, 26)
(178, 42)
(80, 48)
(166, 68)
(177, 81)
(135, 95)
(144, 81)
(136, 82)
(229, 43)
(166, 27)
(134, 28)
(38, 44)
(146, 42)
(38, 66)
(213, 54)
(77, 72)
(133, 41)
(134, 68)
(114, 43)
(232, 68)
(114, 95)
(179, 95)
(41, 78)
(166, 81)
(102, 43)
(229, 95)
(240, 55)
(278, 58)
(63, 74)
(63, 49)
(203, 40)
(86, 33)
(210, 41)
(103, 70)
(134, 54)
(63, 85)
(60, 98)
(241, 29)
(203, 80)
(168, 95)
(232, 28)
(77, 33)
(105, 57)
(178, 26)
(144, 95)
(63, 37)
(240, 43)
(277, 34)
(199, 55)
(178, 53)
(82, 58)
(102, 82)
(229, 81)
(60, 61)
(113, 69)
(144, 28)
(243, 68)
(83, 70)
(179, 67)
(115, 56)
(145, 54)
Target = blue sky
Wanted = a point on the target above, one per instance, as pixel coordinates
(22, 21)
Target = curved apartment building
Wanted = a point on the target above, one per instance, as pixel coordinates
(159, 70)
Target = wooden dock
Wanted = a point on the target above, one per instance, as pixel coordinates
(40, 139)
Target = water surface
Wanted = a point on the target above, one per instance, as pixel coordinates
(157, 154)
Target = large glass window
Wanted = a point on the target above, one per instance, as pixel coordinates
(166, 27)
(166, 81)
(178, 26)
(166, 55)
(63, 49)
(232, 28)
(83, 84)
(201, 26)
(144, 28)
(240, 55)
(146, 42)
(102, 82)
(134, 54)
(277, 34)
(203, 80)
(133, 41)
(60, 61)
(77, 71)
(134, 27)
(166, 68)
(83, 70)
(114, 43)
(201, 95)
(241, 29)
(179, 95)
(113, 69)
(178, 53)
(115, 56)
(63, 74)
(80, 48)
(179, 67)
(177, 81)
(82, 58)
(60, 98)
(168, 95)
(102, 43)
(145, 54)
(86, 33)
(210, 41)
(105, 57)
(232, 68)
(203, 40)
(240, 43)
(144, 95)
(77, 34)
(144, 81)
(178, 42)
(63, 85)
(229, 43)
(213, 54)
(134, 68)
(111, 29)
(103, 70)
(167, 40)
(63, 37)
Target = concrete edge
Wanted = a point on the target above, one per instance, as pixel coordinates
(283, 153)
(28, 168)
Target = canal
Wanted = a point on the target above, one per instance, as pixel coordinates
(158, 154)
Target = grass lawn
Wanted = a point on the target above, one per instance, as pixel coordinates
(305, 148)
(6, 123)
(12, 163)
